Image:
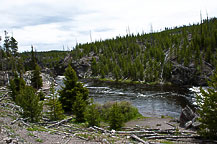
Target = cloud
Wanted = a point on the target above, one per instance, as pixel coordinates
(53, 23)
(103, 29)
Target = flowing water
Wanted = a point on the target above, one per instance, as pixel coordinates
(150, 100)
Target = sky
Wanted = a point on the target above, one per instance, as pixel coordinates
(60, 24)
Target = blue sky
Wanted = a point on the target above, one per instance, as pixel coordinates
(52, 24)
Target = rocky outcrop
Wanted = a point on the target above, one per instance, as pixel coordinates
(4, 77)
(182, 75)
(81, 66)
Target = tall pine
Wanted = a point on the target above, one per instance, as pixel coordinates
(74, 97)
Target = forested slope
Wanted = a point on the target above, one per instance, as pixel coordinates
(182, 55)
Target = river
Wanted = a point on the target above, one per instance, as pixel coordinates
(151, 101)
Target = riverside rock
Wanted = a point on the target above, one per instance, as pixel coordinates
(186, 116)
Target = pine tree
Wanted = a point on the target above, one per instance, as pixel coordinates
(13, 45)
(7, 45)
(94, 67)
(55, 107)
(207, 103)
(79, 107)
(33, 59)
(30, 104)
(36, 80)
(73, 93)
(16, 85)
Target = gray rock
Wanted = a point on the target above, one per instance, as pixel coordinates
(187, 115)
(8, 140)
(188, 124)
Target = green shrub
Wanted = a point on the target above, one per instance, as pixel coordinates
(116, 113)
(129, 112)
(92, 115)
(116, 118)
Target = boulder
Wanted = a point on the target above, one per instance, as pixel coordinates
(188, 124)
(187, 115)
(182, 75)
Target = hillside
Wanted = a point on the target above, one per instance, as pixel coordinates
(184, 55)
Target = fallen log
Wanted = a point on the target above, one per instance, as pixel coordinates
(101, 129)
(135, 132)
(170, 136)
(25, 123)
(67, 141)
(14, 121)
(60, 122)
(171, 125)
(80, 137)
(139, 139)
(13, 106)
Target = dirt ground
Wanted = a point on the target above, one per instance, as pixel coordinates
(154, 123)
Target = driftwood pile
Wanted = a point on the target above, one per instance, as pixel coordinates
(137, 133)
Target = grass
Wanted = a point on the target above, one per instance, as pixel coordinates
(39, 140)
(30, 134)
(167, 142)
(34, 128)
(127, 81)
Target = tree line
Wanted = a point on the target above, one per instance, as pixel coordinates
(151, 57)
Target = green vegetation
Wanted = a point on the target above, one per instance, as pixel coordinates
(207, 103)
(116, 117)
(9, 53)
(16, 85)
(74, 97)
(124, 107)
(55, 107)
(92, 115)
(36, 128)
(151, 57)
(49, 59)
(113, 113)
(36, 80)
(41, 95)
(30, 104)
(39, 140)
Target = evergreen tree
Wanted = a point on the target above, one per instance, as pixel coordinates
(55, 107)
(7, 45)
(73, 96)
(16, 85)
(207, 103)
(36, 80)
(30, 104)
(13, 45)
(79, 107)
(33, 59)
(94, 67)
